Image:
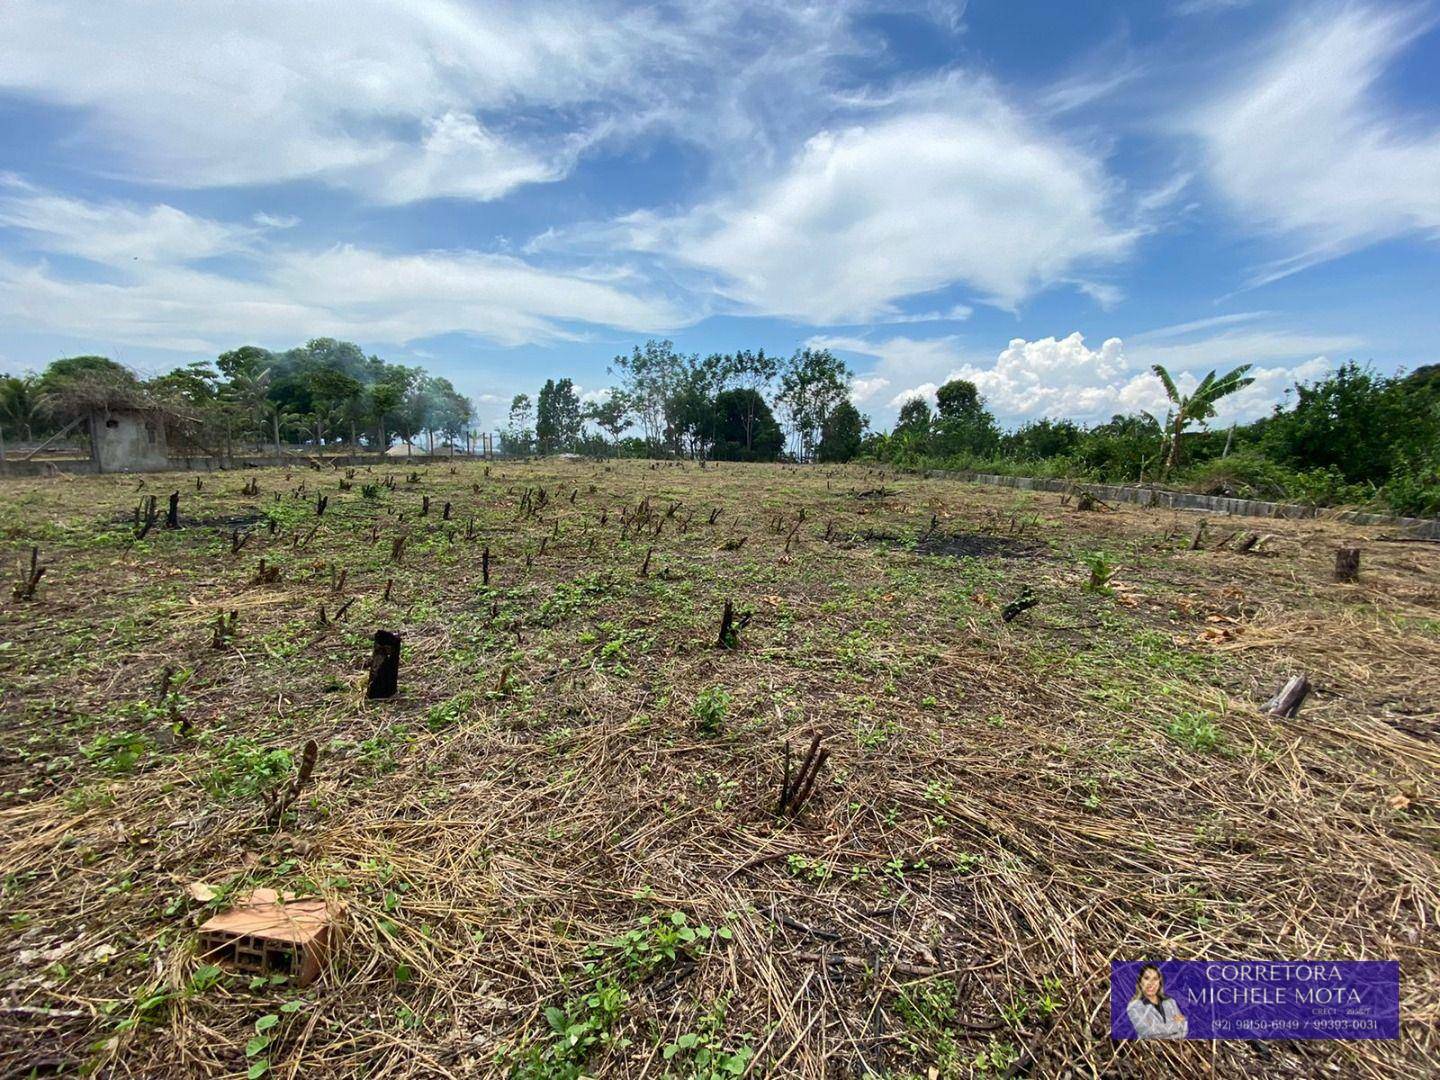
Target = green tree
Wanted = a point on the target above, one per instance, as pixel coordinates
(73, 385)
(745, 428)
(22, 405)
(1357, 422)
(611, 416)
(915, 418)
(813, 383)
(754, 372)
(568, 416)
(650, 377)
(1196, 407)
(842, 433)
(518, 437)
(964, 425)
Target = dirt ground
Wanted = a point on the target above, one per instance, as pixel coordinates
(556, 851)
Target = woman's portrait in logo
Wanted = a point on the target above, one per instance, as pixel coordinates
(1153, 1014)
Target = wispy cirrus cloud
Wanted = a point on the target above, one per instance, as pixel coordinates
(160, 280)
(1305, 146)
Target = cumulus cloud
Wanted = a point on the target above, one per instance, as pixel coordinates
(865, 387)
(1065, 377)
(1305, 146)
(867, 215)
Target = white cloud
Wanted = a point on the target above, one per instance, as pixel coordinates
(865, 387)
(1065, 377)
(1305, 147)
(924, 390)
(460, 157)
(383, 96)
(155, 294)
(115, 232)
(1182, 329)
(866, 215)
(344, 292)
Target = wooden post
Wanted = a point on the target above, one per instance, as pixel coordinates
(384, 666)
(1287, 701)
(1347, 564)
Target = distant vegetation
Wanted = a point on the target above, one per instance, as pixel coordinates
(323, 391)
(1353, 437)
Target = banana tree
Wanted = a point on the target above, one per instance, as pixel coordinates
(1195, 407)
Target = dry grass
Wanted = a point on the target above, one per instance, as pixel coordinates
(1006, 808)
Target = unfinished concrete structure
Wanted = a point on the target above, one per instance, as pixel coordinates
(127, 439)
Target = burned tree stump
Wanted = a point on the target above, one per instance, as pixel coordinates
(424, 505)
(1291, 695)
(1022, 603)
(280, 801)
(485, 566)
(1347, 564)
(25, 587)
(645, 566)
(145, 517)
(796, 789)
(321, 502)
(1197, 539)
(731, 625)
(384, 666)
(172, 516)
(224, 628)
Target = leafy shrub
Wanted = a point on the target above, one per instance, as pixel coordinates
(245, 768)
(709, 710)
(1195, 730)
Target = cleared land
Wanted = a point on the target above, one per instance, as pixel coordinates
(557, 846)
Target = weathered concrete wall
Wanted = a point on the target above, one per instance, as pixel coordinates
(40, 466)
(1185, 500)
(128, 441)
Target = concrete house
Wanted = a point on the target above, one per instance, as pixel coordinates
(128, 439)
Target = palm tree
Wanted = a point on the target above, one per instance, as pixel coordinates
(249, 392)
(1195, 407)
(22, 403)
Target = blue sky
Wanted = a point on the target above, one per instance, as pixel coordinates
(1045, 198)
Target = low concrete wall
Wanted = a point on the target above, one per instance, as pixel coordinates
(1186, 500)
(240, 462)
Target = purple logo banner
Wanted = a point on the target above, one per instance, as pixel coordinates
(1255, 999)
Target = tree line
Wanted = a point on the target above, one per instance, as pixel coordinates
(323, 391)
(741, 406)
(1355, 436)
